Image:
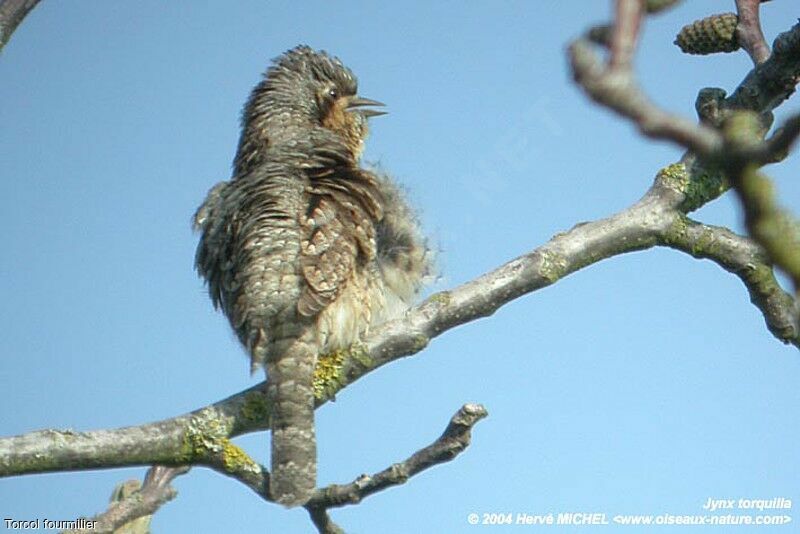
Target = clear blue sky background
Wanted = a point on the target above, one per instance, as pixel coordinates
(644, 384)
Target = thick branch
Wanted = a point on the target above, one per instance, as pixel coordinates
(12, 12)
(173, 441)
(774, 80)
(201, 437)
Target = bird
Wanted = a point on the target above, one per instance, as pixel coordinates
(304, 249)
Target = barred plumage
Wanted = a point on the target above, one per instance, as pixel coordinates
(302, 249)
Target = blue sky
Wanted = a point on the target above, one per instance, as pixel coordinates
(644, 384)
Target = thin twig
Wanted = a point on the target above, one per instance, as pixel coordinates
(628, 19)
(777, 147)
(453, 441)
(748, 30)
(129, 504)
(617, 90)
(765, 87)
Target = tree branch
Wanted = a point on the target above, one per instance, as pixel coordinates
(777, 147)
(735, 150)
(770, 225)
(453, 441)
(12, 12)
(133, 502)
(322, 520)
(773, 81)
(742, 257)
(765, 87)
(625, 33)
(202, 437)
(748, 30)
(618, 91)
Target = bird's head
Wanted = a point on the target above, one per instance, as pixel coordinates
(306, 89)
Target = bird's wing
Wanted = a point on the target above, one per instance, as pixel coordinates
(213, 247)
(339, 236)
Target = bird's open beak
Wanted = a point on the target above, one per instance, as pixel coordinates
(358, 102)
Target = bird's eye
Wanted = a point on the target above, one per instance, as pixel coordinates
(333, 93)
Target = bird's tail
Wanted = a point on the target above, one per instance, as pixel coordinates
(290, 373)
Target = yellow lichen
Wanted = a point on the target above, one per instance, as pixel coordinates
(235, 459)
(203, 434)
(326, 374)
(698, 186)
(674, 175)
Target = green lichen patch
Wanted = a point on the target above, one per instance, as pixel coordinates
(358, 355)
(705, 246)
(204, 434)
(774, 228)
(552, 267)
(699, 186)
(442, 298)
(254, 409)
(703, 188)
(419, 342)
